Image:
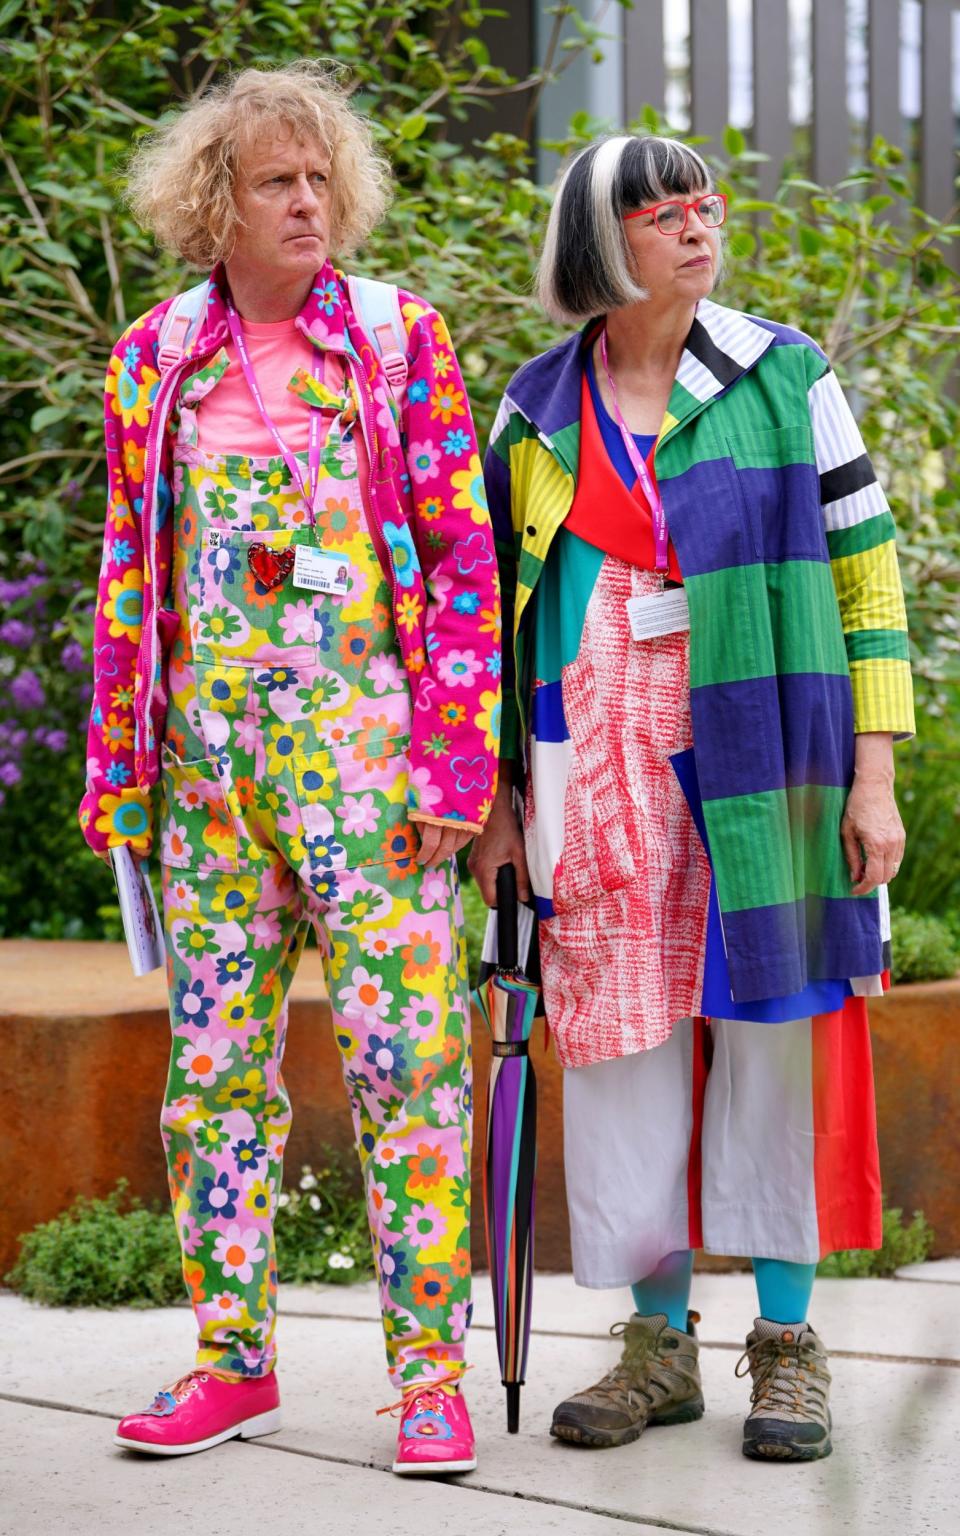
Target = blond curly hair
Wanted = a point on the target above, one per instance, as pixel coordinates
(182, 177)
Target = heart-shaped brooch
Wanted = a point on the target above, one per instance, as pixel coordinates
(270, 566)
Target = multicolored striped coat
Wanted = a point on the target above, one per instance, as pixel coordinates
(798, 635)
(425, 497)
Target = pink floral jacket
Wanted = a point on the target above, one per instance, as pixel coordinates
(428, 515)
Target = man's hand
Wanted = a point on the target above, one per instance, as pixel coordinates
(438, 844)
(500, 842)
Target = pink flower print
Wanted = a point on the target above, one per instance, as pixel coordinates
(359, 814)
(226, 1305)
(386, 1154)
(445, 1104)
(378, 945)
(335, 735)
(204, 1059)
(424, 1226)
(459, 668)
(365, 999)
(421, 1017)
(440, 587)
(384, 673)
(192, 795)
(236, 1251)
(380, 1203)
(424, 792)
(265, 929)
(191, 1237)
(423, 461)
(182, 895)
(247, 730)
(434, 891)
(458, 1319)
(176, 844)
(297, 622)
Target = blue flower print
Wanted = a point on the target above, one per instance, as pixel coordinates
(323, 851)
(131, 357)
(386, 1058)
(190, 1005)
(358, 1083)
(494, 663)
(324, 631)
(327, 297)
(164, 500)
(471, 552)
(97, 715)
(233, 967)
(418, 391)
(405, 562)
(324, 883)
(278, 679)
(456, 442)
(121, 552)
(216, 1198)
(118, 774)
(393, 1265)
(466, 602)
(470, 773)
(224, 563)
(247, 1155)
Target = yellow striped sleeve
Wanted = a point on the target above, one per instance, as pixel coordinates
(874, 620)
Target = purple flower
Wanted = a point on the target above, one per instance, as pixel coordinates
(10, 774)
(72, 658)
(26, 690)
(18, 634)
(57, 741)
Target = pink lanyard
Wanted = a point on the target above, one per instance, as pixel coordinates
(638, 464)
(292, 463)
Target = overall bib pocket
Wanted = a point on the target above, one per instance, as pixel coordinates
(353, 803)
(196, 827)
(240, 619)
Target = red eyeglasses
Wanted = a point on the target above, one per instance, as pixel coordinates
(671, 216)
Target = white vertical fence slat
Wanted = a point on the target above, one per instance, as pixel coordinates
(830, 127)
(709, 68)
(643, 60)
(772, 132)
(938, 164)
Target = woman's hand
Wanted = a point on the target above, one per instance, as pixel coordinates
(871, 830)
(500, 842)
(438, 844)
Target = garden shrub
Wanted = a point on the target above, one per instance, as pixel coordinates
(116, 1251)
(902, 1244)
(925, 947)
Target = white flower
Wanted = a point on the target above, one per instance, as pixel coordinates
(284, 1199)
(314, 1202)
(340, 1261)
(309, 1181)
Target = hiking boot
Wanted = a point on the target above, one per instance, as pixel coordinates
(790, 1417)
(657, 1381)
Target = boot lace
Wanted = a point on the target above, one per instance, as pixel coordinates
(786, 1374)
(642, 1371)
(423, 1394)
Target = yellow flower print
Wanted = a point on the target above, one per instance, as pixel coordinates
(236, 1011)
(243, 1093)
(225, 688)
(235, 895)
(431, 508)
(411, 312)
(125, 818)
(122, 698)
(409, 610)
(282, 746)
(446, 403)
(440, 331)
(259, 1197)
(339, 953)
(442, 364)
(124, 605)
(133, 461)
(131, 401)
(471, 495)
(488, 719)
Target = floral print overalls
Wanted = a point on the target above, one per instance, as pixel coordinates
(284, 803)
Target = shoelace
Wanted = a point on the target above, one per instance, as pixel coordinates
(787, 1374)
(640, 1358)
(427, 1392)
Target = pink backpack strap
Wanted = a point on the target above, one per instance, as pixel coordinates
(178, 324)
(377, 307)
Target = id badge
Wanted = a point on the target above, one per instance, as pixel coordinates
(318, 571)
(661, 613)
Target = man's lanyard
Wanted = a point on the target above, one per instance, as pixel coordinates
(638, 464)
(292, 463)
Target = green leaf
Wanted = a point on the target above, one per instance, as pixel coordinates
(733, 141)
(810, 240)
(53, 250)
(413, 127)
(47, 415)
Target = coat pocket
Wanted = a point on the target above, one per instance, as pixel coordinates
(353, 803)
(771, 465)
(240, 621)
(196, 827)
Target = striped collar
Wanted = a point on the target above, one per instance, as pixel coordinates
(722, 344)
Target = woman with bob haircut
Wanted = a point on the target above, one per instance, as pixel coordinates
(297, 636)
(708, 667)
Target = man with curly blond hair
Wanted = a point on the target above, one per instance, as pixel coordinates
(298, 581)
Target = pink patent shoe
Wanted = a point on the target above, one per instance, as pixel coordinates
(435, 1435)
(200, 1411)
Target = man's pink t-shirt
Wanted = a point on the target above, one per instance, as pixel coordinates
(228, 421)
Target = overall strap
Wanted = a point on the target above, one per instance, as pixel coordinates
(377, 307)
(179, 323)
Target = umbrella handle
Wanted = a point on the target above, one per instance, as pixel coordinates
(513, 1407)
(507, 917)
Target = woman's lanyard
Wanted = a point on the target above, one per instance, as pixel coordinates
(307, 487)
(638, 464)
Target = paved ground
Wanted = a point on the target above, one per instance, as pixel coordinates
(67, 1375)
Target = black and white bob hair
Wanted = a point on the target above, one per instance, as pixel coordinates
(586, 268)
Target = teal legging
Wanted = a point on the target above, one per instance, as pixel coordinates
(783, 1290)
